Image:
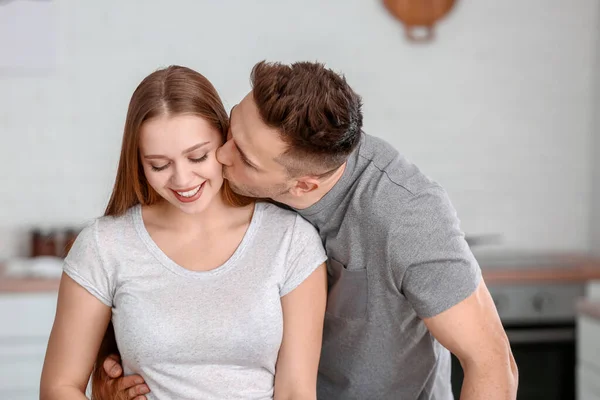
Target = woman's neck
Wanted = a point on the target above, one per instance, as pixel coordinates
(217, 215)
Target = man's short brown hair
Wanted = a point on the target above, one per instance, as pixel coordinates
(314, 109)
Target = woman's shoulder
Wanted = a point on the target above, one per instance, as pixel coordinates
(283, 218)
(277, 213)
(109, 227)
(119, 222)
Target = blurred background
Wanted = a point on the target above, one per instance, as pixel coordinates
(501, 107)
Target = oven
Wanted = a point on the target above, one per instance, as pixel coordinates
(539, 320)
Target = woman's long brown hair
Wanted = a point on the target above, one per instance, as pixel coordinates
(171, 91)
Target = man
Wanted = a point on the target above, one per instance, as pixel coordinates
(404, 288)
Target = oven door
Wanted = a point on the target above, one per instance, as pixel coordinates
(545, 356)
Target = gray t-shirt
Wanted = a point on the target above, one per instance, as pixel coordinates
(197, 335)
(396, 255)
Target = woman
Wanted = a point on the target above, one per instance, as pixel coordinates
(211, 296)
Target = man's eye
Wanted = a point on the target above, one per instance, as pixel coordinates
(197, 160)
(247, 163)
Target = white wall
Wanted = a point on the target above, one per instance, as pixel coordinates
(595, 153)
(498, 109)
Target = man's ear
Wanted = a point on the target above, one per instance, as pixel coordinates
(304, 186)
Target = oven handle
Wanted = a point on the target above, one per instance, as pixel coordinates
(540, 335)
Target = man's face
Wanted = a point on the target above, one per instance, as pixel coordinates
(249, 155)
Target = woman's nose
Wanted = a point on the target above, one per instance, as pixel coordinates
(182, 177)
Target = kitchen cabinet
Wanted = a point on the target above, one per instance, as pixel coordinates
(588, 345)
(593, 290)
(588, 387)
(24, 331)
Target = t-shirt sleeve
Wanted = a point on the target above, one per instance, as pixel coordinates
(442, 270)
(305, 254)
(85, 266)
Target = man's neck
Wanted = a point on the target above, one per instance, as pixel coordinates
(312, 198)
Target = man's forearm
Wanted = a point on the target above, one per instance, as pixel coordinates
(297, 396)
(491, 380)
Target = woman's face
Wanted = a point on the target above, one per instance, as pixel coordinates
(178, 156)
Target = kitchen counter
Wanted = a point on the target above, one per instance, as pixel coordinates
(509, 269)
(10, 284)
(536, 268)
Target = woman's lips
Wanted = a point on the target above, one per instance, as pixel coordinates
(189, 195)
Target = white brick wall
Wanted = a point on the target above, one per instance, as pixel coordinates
(498, 109)
(595, 204)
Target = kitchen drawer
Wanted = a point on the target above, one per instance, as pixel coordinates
(585, 394)
(27, 315)
(13, 348)
(27, 320)
(588, 383)
(26, 394)
(588, 341)
(21, 369)
(21, 375)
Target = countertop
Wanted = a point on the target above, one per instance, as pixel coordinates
(26, 285)
(499, 269)
(539, 268)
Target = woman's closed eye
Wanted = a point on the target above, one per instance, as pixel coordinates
(161, 168)
(197, 160)
(193, 160)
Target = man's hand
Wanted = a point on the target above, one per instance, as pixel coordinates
(130, 387)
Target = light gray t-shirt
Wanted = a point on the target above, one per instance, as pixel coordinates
(396, 255)
(197, 335)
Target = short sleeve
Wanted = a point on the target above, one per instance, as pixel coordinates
(305, 254)
(84, 265)
(442, 271)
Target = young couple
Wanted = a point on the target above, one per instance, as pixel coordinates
(216, 295)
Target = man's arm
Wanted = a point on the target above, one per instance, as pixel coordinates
(472, 331)
(442, 281)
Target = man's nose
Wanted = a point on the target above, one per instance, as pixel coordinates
(224, 153)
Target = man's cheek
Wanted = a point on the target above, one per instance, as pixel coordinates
(229, 173)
